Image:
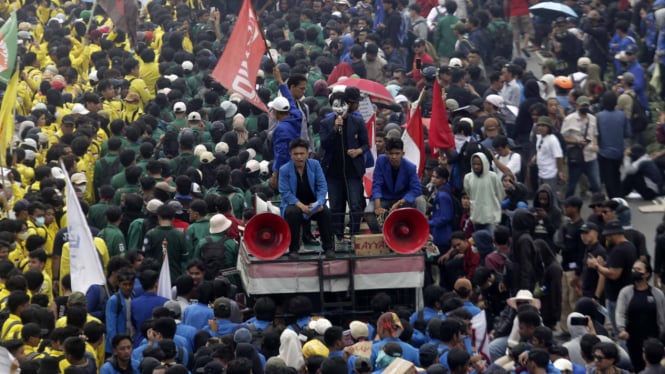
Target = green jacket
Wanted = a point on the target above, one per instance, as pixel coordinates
(176, 248)
(236, 195)
(444, 37)
(114, 238)
(97, 214)
(197, 231)
(101, 170)
(135, 235)
(119, 180)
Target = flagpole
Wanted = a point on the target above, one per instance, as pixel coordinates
(92, 17)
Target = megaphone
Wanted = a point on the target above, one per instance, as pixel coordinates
(263, 206)
(406, 230)
(267, 236)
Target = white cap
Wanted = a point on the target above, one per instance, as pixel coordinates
(79, 109)
(280, 104)
(455, 63)
(222, 147)
(153, 205)
(401, 99)
(79, 178)
(495, 100)
(187, 65)
(93, 76)
(252, 166)
(264, 167)
(229, 108)
(40, 106)
(563, 364)
(179, 107)
(206, 157)
(252, 153)
(30, 142)
(194, 116)
(199, 149)
(320, 325)
(57, 173)
(219, 223)
(235, 98)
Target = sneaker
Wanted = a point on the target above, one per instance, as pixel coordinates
(310, 241)
(329, 254)
(343, 245)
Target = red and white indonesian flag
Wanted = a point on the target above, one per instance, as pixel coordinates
(366, 109)
(414, 138)
(240, 62)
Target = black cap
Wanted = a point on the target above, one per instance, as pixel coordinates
(575, 201)
(33, 329)
(598, 198)
(613, 228)
(589, 226)
(352, 94)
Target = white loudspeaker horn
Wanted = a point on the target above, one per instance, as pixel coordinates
(263, 206)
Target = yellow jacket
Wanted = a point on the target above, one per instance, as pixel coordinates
(138, 86)
(149, 72)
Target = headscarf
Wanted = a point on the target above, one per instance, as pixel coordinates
(290, 349)
(248, 351)
(239, 128)
(389, 326)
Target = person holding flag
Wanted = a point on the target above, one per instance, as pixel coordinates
(395, 185)
(344, 141)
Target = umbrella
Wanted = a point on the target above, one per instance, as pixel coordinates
(376, 91)
(551, 10)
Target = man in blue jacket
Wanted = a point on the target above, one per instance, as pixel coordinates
(289, 119)
(344, 141)
(303, 188)
(395, 184)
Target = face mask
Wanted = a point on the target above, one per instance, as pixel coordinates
(584, 111)
(40, 221)
(23, 235)
(339, 107)
(82, 188)
(637, 276)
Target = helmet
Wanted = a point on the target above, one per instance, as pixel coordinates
(563, 82)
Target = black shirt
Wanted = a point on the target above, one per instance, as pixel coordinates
(573, 252)
(303, 191)
(589, 276)
(621, 256)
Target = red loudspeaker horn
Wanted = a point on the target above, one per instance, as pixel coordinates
(267, 236)
(406, 230)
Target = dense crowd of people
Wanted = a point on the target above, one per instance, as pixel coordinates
(163, 158)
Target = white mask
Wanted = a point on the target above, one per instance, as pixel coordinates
(340, 107)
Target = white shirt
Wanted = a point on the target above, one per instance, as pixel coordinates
(436, 12)
(513, 162)
(511, 93)
(548, 149)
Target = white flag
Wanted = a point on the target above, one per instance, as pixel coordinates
(164, 284)
(84, 264)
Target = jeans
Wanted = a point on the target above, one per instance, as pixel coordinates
(610, 174)
(498, 347)
(337, 193)
(611, 310)
(293, 216)
(575, 170)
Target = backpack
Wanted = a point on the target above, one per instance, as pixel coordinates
(257, 334)
(638, 118)
(410, 34)
(109, 170)
(502, 40)
(306, 332)
(170, 144)
(508, 267)
(212, 255)
(183, 163)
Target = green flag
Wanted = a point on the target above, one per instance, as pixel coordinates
(8, 48)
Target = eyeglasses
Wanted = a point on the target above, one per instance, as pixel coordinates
(598, 357)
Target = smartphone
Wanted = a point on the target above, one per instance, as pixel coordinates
(579, 321)
(419, 63)
(348, 339)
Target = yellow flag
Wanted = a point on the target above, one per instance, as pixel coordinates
(7, 117)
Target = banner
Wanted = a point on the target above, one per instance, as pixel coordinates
(164, 284)
(84, 265)
(366, 109)
(240, 62)
(8, 37)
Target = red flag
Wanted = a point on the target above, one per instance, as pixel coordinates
(414, 139)
(240, 62)
(440, 134)
(124, 14)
